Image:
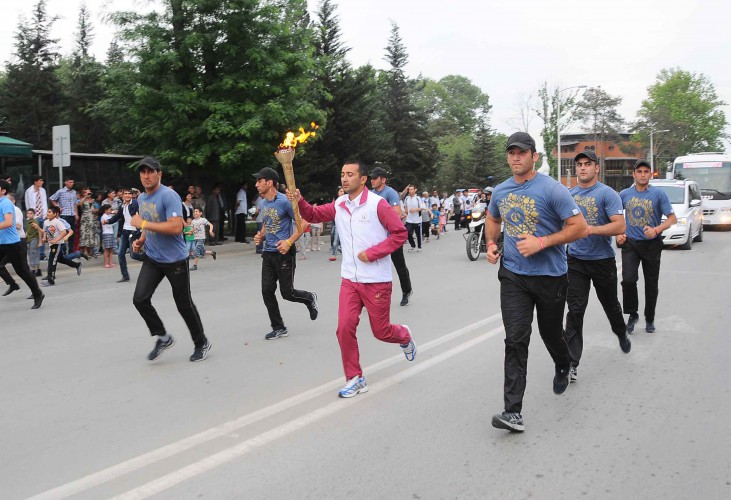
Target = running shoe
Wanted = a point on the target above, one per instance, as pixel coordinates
(650, 327)
(78, 270)
(632, 321)
(213, 254)
(561, 380)
(354, 386)
(282, 332)
(160, 346)
(410, 348)
(625, 344)
(312, 307)
(200, 353)
(512, 422)
(405, 298)
(573, 375)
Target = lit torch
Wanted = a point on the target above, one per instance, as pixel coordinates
(285, 155)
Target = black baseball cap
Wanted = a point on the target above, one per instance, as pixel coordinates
(521, 139)
(267, 173)
(641, 163)
(378, 172)
(591, 155)
(149, 162)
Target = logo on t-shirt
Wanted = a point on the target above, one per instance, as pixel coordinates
(588, 206)
(520, 213)
(272, 221)
(639, 212)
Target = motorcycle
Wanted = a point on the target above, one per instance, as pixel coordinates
(475, 239)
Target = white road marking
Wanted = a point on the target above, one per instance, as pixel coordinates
(234, 452)
(184, 444)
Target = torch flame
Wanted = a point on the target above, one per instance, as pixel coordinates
(291, 141)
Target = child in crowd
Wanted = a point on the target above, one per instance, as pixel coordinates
(34, 240)
(188, 235)
(108, 236)
(54, 232)
(435, 220)
(199, 234)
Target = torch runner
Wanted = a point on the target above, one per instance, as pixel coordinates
(285, 155)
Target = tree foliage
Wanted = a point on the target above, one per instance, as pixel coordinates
(597, 111)
(687, 105)
(551, 102)
(30, 97)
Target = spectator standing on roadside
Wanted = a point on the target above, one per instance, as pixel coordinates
(36, 199)
(127, 210)
(34, 242)
(591, 258)
(540, 217)
(644, 206)
(379, 183)
(242, 207)
(413, 207)
(161, 224)
(457, 210)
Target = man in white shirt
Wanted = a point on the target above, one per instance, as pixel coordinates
(241, 213)
(413, 207)
(36, 199)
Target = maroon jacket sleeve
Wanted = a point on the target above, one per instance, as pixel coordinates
(396, 232)
(320, 213)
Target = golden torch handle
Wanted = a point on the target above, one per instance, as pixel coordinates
(285, 157)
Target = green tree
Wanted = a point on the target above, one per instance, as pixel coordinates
(30, 95)
(687, 105)
(551, 99)
(351, 101)
(597, 110)
(216, 84)
(81, 76)
(409, 151)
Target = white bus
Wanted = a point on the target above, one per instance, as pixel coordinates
(712, 171)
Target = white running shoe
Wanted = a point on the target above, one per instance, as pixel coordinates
(354, 386)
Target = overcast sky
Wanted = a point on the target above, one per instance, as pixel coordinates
(505, 47)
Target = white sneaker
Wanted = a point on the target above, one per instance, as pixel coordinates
(410, 348)
(354, 386)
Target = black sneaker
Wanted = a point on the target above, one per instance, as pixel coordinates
(78, 270)
(405, 299)
(37, 301)
(213, 254)
(201, 353)
(312, 307)
(84, 256)
(123, 280)
(12, 288)
(48, 282)
(650, 327)
(625, 343)
(282, 332)
(561, 380)
(632, 321)
(573, 375)
(512, 422)
(160, 346)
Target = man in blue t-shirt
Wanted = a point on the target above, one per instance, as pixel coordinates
(160, 219)
(279, 233)
(591, 258)
(540, 217)
(379, 180)
(11, 249)
(642, 243)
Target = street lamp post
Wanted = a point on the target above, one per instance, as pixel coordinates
(558, 128)
(652, 150)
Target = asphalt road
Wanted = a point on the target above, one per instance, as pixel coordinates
(85, 415)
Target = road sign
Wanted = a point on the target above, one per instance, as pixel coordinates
(61, 146)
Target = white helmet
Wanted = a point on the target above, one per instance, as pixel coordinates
(252, 211)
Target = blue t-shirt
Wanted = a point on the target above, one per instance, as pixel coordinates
(277, 218)
(8, 235)
(598, 203)
(435, 216)
(390, 195)
(644, 208)
(160, 206)
(538, 207)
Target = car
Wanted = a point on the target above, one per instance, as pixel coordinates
(687, 201)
